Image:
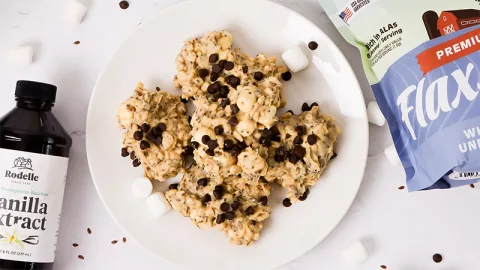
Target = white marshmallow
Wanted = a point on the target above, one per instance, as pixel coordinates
(21, 56)
(142, 187)
(355, 253)
(392, 155)
(75, 11)
(295, 59)
(158, 205)
(375, 116)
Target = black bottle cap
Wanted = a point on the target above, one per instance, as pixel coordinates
(36, 90)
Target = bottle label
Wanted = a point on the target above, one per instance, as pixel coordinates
(31, 196)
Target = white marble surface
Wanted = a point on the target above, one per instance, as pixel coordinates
(400, 230)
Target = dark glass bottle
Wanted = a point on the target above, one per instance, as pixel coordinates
(31, 127)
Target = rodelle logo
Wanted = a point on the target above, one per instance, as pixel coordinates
(22, 163)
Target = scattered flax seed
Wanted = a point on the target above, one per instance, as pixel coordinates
(472, 185)
(81, 257)
(383, 266)
(124, 239)
(401, 187)
(76, 42)
(75, 245)
(89, 231)
(114, 242)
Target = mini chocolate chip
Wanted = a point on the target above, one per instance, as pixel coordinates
(286, 76)
(291, 112)
(275, 131)
(218, 130)
(312, 139)
(292, 158)
(286, 202)
(207, 198)
(249, 211)
(218, 192)
(157, 131)
(233, 121)
(225, 102)
(224, 90)
(264, 200)
(383, 266)
(228, 65)
(157, 141)
(212, 144)
(278, 158)
(138, 135)
(236, 150)
(195, 144)
(203, 72)
(76, 42)
(242, 145)
(203, 182)
(298, 140)
(230, 215)
(236, 205)
(136, 163)
(245, 69)
(220, 219)
(281, 151)
(225, 207)
(299, 151)
(258, 75)
(314, 104)
(228, 145)
(145, 127)
(216, 68)
(213, 88)
(173, 186)
(144, 145)
(221, 63)
(265, 141)
(233, 81)
(214, 97)
(288, 135)
(301, 130)
(266, 133)
(132, 155)
(184, 100)
(205, 139)
(125, 152)
(162, 127)
(312, 45)
(304, 196)
(305, 107)
(213, 58)
(333, 156)
(234, 108)
(124, 4)
(214, 76)
(188, 151)
(210, 152)
(437, 258)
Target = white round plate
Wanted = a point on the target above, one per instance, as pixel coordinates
(257, 26)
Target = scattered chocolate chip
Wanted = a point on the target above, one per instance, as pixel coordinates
(286, 202)
(150, 136)
(138, 135)
(312, 45)
(213, 88)
(230, 215)
(145, 127)
(472, 185)
(157, 141)
(264, 200)
(258, 75)
(124, 4)
(301, 130)
(184, 100)
(207, 198)
(81, 257)
(203, 72)
(173, 186)
(312, 139)
(218, 130)
(304, 196)
(125, 152)
(76, 42)
(236, 205)
(298, 140)
(221, 63)
(245, 69)
(249, 211)
(214, 76)
(212, 144)
(213, 58)
(195, 144)
(401, 187)
(292, 158)
(234, 108)
(225, 207)
(305, 107)
(286, 76)
(242, 145)
(236, 150)
(437, 258)
(228, 145)
(132, 155)
(75, 245)
(224, 90)
(233, 121)
(89, 231)
(228, 65)
(114, 242)
(225, 102)
(216, 68)
(383, 266)
(314, 104)
(157, 88)
(299, 151)
(205, 139)
(188, 151)
(210, 152)
(136, 163)
(144, 145)
(220, 219)
(156, 131)
(218, 192)
(162, 127)
(333, 156)
(203, 182)
(233, 81)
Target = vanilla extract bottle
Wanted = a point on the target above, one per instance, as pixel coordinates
(34, 151)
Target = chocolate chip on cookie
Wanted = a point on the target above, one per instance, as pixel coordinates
(286, 76)
(213, 58)
(213, 88)
(305, 107)
(218, 192)
(265, 141)
(221, 63)
(312, 139)
(228, 65)
(212, 144)
(314, 104)
(125, 152)
(136, 163)
(242, 145)
(233, 81)
(157, 131)
(210, 152)
(203, 72)
(218, 130)
(264, 200)
(195, 144)
(290, 112)
(233, 121)
(245, 69)
(228, 145)
(230, 215)
(286, 202)
(258, 75)
(203, 182)
(214, 76)
(236, 150)
(205, 139)
(145, 127)
(299, 151)
(188, 151)
(183, 100)
(144, 145)
(301, 130)
(225, 207)
(236, 205)
(157, 141)
(304, 196)
(132, 155)
(173, 186)
(207, 198)
(149, 136)
(224, 90)
(234, 108)
(216, 68)
(292, 158)
(220, 219)
(249, 211)
(138, 135)
(298, 140)
(334, 155)
(225, 102)
(162, 127)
